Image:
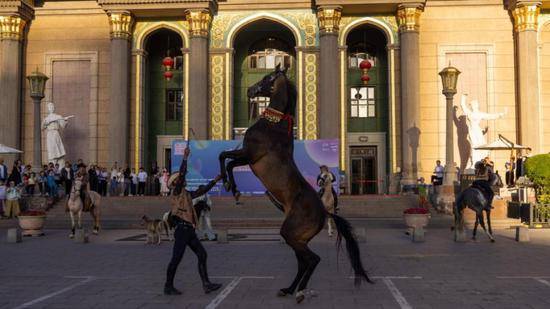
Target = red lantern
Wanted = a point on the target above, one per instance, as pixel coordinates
(365, 79)
(365, 65)
(168, 63)
(168, 75)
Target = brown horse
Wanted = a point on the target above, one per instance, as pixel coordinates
(268, 148)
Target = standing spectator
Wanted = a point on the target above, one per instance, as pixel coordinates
(423, 193)
(41, 180)
(134, 182)
(164, 183)
(67, 176)
(2, 199)
(439, 171)
(31, 184)
(3, 171)
(510, 166)
(101, 182)
(52, 185)
(142, 179)
(105, 175)
(113, 183)
(120, 179)
(57, 174)
(12, 200)
(127, 181)
(15, 175)
(92, 176)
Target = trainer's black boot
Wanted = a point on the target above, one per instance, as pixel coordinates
(170, 290)
(211, 287)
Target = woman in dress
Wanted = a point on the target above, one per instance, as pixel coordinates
(164, 183)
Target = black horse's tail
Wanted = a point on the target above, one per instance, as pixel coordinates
(456, 210)
(344, 229)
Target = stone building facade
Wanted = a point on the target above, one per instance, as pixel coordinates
(104, 60)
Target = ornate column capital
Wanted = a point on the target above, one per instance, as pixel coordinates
(328, 18)
(121, 23)
(12, 27)
(408, 16)
(526, 15)
(199, 22)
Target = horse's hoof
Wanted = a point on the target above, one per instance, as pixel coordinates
(95, 232)
(237, 195)
(300, 296)
(71, 236)
(227, 186)
(283, 292)
(492, 240)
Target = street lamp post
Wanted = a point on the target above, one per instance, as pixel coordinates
(449, 78)
(37, 83)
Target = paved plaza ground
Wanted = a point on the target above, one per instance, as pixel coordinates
(117, 270)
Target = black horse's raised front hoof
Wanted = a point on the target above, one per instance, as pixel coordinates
(492, 240)
(284, 292)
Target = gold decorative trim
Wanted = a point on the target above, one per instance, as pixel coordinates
(186, 99)
(199, 22)
(408, 17)
(300, 111)
(311, 96)
(137, 129)
(121, 25)
(343, 114)
(12, 28)
(526, 16)
(329, 18)
(217, 112)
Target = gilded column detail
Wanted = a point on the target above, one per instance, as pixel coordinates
(199, 22)
(310, 96)
(526, 16)
(408, 17)
(329, 18)
(217, 94)
(12, 28)
(121, 25)
(526, 19)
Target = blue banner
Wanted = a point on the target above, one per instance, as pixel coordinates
(204, 165)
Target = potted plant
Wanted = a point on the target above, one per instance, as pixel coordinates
(32, 222)
(416, 217)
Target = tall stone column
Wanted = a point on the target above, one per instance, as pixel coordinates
(119, 106)
(11, 34)
(408, 16)
(526, 15)
(199, 24)
(329, 79)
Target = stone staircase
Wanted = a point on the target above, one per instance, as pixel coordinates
(255, 212)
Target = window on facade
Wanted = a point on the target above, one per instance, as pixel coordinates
(260, 104)
(360, 51)
(362, 102)
(268, 53)
(174, 104)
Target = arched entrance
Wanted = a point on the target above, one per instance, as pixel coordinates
(163, 112)
(368, 110)
(259, 47)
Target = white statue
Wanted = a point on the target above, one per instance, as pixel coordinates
(477, 135)
(53, 124)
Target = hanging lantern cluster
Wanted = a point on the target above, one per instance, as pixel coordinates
(168, 64)
(365, 66)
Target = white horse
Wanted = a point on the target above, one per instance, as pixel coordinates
(76, 208)
(325, 182)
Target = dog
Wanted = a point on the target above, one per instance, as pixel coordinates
(168, 226)
(153, 228)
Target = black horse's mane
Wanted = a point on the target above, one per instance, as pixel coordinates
(292, 95)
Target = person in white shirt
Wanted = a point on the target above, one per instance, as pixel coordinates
(203, 205)
(142, 178)
(134, 182)
(439, 171)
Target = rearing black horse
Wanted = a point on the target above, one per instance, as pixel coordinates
(268, 148)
